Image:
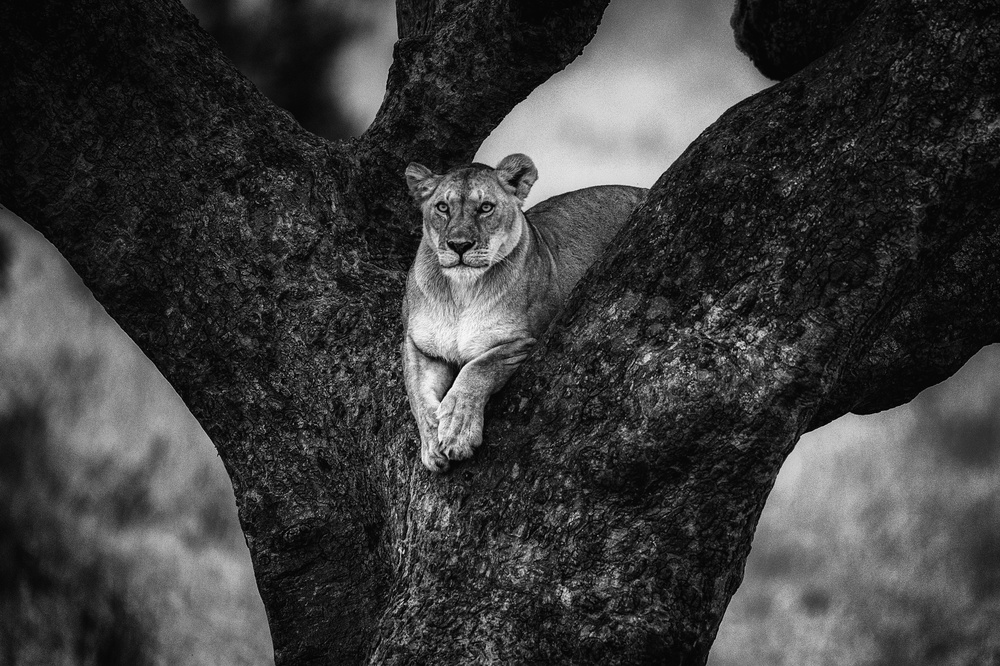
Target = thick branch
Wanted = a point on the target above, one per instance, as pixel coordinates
(783, 36)
(224, 239)
(456, 75)
(952, 317)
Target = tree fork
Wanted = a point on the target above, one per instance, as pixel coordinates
(792, 265)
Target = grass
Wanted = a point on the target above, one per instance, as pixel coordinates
(119, 542)
(880, 543)
(58, 603)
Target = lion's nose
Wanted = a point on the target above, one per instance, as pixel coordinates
(460, 247)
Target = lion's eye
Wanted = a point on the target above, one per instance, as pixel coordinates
(442, 206)
(486, 207)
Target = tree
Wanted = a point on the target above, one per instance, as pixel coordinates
(827, 246)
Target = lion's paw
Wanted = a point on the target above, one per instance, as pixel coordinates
(433, 457)
(460, 425)
(431, 453)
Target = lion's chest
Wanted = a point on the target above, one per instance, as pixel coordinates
(461, 334)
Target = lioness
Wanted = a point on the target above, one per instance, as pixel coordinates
(487, 280)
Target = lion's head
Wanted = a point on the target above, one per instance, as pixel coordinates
(472, 214)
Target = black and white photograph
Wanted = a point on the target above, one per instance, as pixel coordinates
(500, 332)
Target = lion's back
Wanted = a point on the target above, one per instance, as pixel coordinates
(578, 225)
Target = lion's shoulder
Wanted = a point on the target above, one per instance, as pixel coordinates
(575, 227)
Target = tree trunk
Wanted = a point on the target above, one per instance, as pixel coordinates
(827, 246)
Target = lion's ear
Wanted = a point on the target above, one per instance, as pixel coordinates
(518, 173)
(421, 181)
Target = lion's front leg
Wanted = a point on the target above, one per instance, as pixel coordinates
(460, 415)
(427, 380)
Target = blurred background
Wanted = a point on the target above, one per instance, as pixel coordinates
(880, 543)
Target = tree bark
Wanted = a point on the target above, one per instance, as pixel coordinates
(827, 246)
(457, 72)
(783, 36)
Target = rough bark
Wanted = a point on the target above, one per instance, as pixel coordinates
(459, 68)
(826, 246)
(783, 36)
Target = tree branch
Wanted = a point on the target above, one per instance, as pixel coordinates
(456, 75)
(783, 36)
(952, 317)
(223, 238)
